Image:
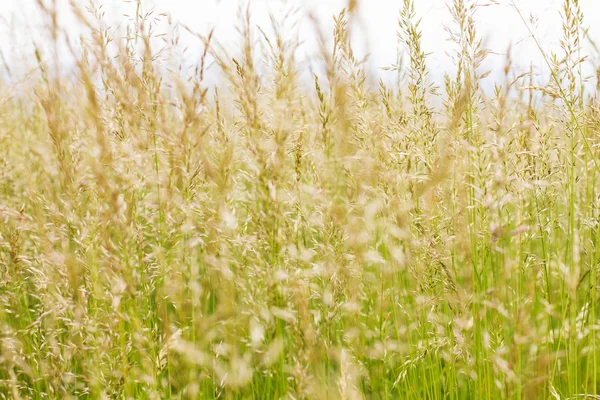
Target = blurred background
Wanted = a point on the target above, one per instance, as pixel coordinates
(374, 29)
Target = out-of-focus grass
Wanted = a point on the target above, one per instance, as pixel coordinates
(164, 239)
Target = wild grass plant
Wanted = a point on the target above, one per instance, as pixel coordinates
(168, 237)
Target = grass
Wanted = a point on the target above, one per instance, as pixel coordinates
(164, 237)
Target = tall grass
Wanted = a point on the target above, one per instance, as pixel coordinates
(164, 237)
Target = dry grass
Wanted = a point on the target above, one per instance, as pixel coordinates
(164, 239)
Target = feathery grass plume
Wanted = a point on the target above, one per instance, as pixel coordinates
(165, 234)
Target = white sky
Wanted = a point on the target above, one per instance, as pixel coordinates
(500, 25)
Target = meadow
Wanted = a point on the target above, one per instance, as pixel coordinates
(165, 236)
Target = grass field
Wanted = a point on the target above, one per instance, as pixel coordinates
(267, 237)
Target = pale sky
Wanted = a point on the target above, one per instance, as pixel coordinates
(498, 24)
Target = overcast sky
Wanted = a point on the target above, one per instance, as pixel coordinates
(498, 24)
